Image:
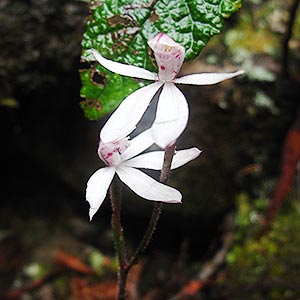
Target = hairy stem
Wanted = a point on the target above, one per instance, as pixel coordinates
(164, 176)
(116, 199)
(165, 171)
(116, 196)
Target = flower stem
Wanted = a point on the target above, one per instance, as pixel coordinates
(116, 199)
(164, 176)
(165, 171)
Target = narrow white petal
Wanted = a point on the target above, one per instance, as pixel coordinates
(206, 78)
(138, 144)
(124, 119)
(97, 187)
(171, 116)
(154, 160)
(182, 157)
(123, 69)
(146, 187)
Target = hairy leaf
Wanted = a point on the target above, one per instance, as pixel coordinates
(120, 29)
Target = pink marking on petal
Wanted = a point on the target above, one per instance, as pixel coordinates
(110, 153)
(159, 36)
(169, 56)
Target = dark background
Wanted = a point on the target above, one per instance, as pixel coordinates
(48, 148)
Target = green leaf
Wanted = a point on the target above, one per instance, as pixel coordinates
(120, 29)
(101, 99)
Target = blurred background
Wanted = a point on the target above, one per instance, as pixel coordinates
(237, 230)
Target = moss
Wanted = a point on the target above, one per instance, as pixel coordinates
(266, 266)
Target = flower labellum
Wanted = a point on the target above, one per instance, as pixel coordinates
(172, 108)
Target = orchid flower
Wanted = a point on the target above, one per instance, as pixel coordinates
(121, 158)
(172, 109)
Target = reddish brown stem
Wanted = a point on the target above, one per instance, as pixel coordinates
(116, 198)
(164, 176)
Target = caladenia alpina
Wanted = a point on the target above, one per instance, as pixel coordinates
(172, 108)
(123, 157)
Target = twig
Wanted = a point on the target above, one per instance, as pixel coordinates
(287, 37)
(209, 269)
(290, 158)
(72, 262)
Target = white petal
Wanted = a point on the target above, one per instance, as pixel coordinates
(206, 78)
(171, 116)
(97, 187)
(138, 144)
(123, 69)
(154, 160)
(147, 187)
(124, 119)
(182, 157)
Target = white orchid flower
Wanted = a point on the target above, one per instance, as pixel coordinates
(172, 110)
(121, 158)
